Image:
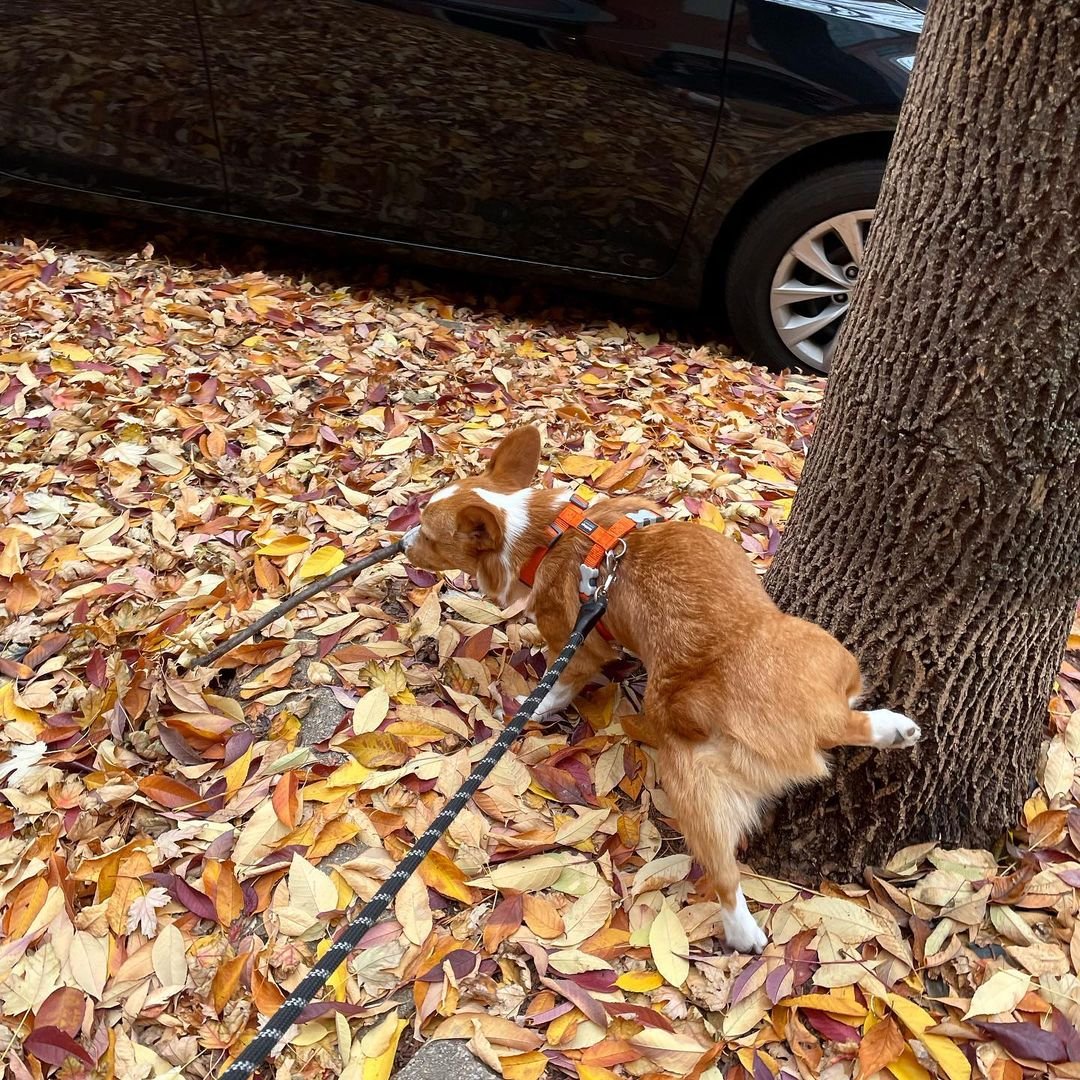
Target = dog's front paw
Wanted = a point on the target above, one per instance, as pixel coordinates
(892, 729)
(742, 932)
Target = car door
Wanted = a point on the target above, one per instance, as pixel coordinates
(567, 132)
(110, 97)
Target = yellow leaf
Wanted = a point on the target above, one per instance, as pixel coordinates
(712, 518)
(595, 1072)
(669, 946)
(349, 775)
(943, 1050)
(286, 545)
(94, 277)
(768, 475)
(527, 350)
(10, 709)
(237, 773)
(832, 1004)
(528, 1066)
(71, 351)
(639, 982)
(379, 1046)
(578, 465)
(394, 446)
(321, 562)
(337, 981)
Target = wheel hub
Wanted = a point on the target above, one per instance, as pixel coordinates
(811, 287)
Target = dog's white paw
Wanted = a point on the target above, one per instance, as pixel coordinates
(741, 931)
(892, 729)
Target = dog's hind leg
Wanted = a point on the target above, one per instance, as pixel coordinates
(713, 817)
(879, 727)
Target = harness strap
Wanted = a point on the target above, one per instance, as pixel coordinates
(604, 540)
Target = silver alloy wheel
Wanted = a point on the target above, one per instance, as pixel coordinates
(811, 288)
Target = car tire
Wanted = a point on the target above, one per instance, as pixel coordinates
(779, 304)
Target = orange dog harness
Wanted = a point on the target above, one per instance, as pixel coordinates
(608, 544)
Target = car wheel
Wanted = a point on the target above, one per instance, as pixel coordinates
(792, 269)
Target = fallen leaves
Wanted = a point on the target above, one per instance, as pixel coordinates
(183, 448)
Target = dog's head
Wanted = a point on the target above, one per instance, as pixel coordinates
(472, 518)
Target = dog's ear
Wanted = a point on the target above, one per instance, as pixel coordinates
(516, 458)
(480, 527)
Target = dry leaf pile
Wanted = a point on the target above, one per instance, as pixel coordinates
(181, 449)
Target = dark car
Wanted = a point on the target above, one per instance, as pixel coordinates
(649, 147)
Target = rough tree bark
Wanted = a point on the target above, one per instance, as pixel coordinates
(937, 527)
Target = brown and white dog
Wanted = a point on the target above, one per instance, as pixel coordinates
(742, 700)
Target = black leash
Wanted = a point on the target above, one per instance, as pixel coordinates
(257, 1051)
(341, 574)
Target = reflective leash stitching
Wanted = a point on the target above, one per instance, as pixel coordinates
(260, 1047)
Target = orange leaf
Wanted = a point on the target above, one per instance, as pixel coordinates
(267, 997)
(11, 558)
(286, 800)
(175, 794)
(227, 979)
(206, 726)
(440, 874)
(23, 596)
(1005, 1069)
(26, 902)
(542, 917)
(883, 1044)
(225, 892)
(503, 921)
(337, 832)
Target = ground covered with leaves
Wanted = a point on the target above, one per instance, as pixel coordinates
(184, 447)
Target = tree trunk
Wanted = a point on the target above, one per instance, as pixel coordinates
(936, 531)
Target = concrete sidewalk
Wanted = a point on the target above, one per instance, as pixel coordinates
(447, 1059)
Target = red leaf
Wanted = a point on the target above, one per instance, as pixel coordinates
(640, 1013)
(53, 1046)
(774, 982)
(738, 988)
(580, 997)
(63, 1009)
(830, 1027)
(1027, 1040)
(95, 668)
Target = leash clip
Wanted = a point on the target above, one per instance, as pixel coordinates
(610, 565)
